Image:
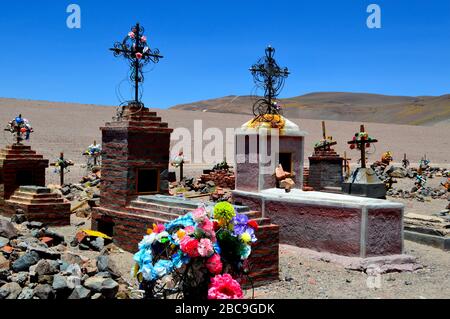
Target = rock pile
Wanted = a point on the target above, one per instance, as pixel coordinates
(418, 192)
(84, 195)
(190, 185)
(35, 263)
(222, 178)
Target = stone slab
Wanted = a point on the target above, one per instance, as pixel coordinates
(34, 189)
(429, 240)
(335, 223)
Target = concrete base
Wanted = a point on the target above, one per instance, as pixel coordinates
(429, 240)
(340, 224)
(364, 182)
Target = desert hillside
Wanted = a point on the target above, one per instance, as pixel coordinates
(338, 106)
(70, 128)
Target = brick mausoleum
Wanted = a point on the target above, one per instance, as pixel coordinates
(325, 169)
(135, 160)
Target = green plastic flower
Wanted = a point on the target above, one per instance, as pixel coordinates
(224, 211)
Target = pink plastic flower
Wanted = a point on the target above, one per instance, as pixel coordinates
(144, 38)
(189, 230)
(208, 227)
(131, 35)
(224, 287)
(214, 264)
(139, 55)
(189, 246)
(205, 247)
(199, 215)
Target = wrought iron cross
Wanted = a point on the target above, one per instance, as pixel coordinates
(135, 49)
(267, 74)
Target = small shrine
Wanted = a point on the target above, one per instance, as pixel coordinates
(269, 132)
(325, 165)
(22, 181)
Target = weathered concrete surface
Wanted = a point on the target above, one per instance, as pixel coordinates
(335, 223)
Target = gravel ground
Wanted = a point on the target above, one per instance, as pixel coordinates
(304, 277)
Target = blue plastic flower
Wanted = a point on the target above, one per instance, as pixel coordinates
(162, 268)
(182, 221)
(179, 259)
(217, 248)
(245, 251)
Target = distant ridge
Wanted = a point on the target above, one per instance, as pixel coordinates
(342, 106)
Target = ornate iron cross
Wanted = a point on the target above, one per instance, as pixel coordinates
(268, 75)
(135, 49)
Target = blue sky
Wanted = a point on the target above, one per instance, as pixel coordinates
(209, 45)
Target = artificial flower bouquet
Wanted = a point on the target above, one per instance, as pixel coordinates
(361, 137)
(196, 255)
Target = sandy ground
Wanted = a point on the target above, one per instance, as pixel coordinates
(70, 128)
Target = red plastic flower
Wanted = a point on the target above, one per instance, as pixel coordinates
(189, 246)
(214, 264)
(224, 287)
(139, 55)
(253, 224)
(216, 226)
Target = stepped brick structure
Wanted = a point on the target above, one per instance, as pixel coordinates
(39, 204)
(306, 186)
(325, 169)
(19, 165)
(135, 159)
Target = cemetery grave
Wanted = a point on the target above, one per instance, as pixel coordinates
(227, 228)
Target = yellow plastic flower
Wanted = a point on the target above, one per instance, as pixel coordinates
(180, 234)
(246, 238)
(224, 211)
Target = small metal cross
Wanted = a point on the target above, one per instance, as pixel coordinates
(63, 164)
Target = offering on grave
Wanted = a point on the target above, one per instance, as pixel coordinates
(20, 127)
(199, 255)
